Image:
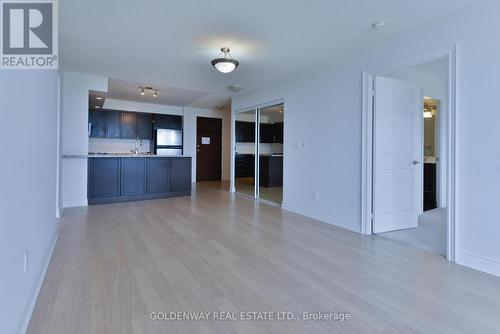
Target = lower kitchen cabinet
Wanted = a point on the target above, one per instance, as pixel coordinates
(137, 178)
(181, 174)
(104, 178)
(133, 175)
(271, 171)
(159, 176)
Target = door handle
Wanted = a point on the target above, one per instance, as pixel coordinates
(415, 162)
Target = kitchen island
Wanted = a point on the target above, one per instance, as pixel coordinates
(131, 177)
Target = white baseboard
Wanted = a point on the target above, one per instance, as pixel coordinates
(31, 306)
(347, 224)
(75, 204)
(490, 266)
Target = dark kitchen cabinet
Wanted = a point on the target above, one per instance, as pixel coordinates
(271, 133)
(266, 133)
(137, 178)
(244, 165)
(104, 178)
(112, 123)
(133, 176)
(159, 121)
(97, 121)
(278, 133)
(181, 174)
(127, 125)
(245, 132)
(159, 176)
(174, 122)
(143, 126)
(271, 171)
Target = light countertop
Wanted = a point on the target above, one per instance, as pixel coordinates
(120, 155)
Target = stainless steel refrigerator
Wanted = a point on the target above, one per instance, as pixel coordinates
(168, 142)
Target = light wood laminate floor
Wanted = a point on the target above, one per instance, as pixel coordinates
(115, 264)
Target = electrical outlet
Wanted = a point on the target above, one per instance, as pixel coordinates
(315, 196)
(26, 258)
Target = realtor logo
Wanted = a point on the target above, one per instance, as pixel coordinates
(29, 36)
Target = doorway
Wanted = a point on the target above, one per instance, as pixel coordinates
(408, 152)
(208, 149)
(258, 153)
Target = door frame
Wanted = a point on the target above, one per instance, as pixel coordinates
(256, 109)
(367, 140)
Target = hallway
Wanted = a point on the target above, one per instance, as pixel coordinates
(430, 235)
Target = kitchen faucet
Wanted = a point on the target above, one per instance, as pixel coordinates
(137, 141)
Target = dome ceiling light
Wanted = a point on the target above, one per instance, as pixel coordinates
(224, 62)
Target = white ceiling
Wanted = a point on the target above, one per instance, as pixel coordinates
(170, 43)
(130, 91)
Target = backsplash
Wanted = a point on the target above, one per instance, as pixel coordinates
(249, 148)
(104, 145)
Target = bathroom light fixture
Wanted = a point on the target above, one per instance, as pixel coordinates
(224, 62)
(148, 89)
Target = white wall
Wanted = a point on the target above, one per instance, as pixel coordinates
(28, 105)
(431, 86)
(330, 161)
(74, 134)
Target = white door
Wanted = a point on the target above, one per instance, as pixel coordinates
(398, 154)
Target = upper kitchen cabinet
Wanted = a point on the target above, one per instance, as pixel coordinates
(245, 132)
(159, 121)
(278, 133)
(271, 133)
(174, 122)
(112, 123)
(266, 133)
(144, 126)
(127, 125)
(97, 123)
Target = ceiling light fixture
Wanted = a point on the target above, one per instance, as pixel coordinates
(224, 62)
(236, 88)
(379, 26)
(154, 92)
(427, 114)
(98, 98)
(97, 107)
